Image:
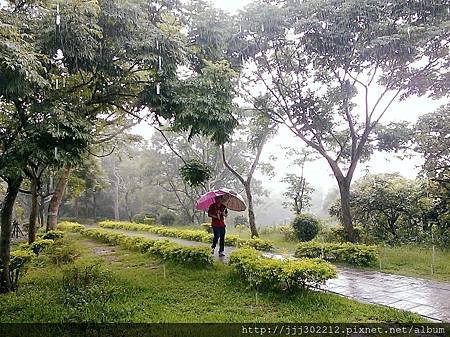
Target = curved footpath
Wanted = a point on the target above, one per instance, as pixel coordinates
(427, 298)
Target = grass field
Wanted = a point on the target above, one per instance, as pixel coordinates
(416, 261)
(108, 284)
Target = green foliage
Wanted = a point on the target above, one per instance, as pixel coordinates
(431, 140)
(203, 105)
(359, 53)
(188, 234)
(86, 283)
(394, 209)
(167, 218)
(240, 220)
(144, 296)
(306, 227)
(19, 259)
(264, 273)
(241, 228)
(340, 234)
(53, 235)
(62, 252)
(195, 172)
(287, 232)
(70, 226)
(207, 227)
(357, 254)
(40, 244)
(145, 218)
(161, 248)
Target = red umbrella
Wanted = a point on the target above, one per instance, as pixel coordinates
(232, 200)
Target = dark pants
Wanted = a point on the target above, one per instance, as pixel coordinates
(219, 233)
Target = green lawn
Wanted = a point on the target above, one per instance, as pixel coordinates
(415, 261)
(131, 287)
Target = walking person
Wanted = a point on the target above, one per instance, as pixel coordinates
(217, 211)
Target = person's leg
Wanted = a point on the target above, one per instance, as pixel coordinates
(222, 240)
(216, 232)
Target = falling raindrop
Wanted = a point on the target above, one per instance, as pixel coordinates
(159, 62)
(56, 84)
(262, 27)
(64, 82)
(240, 28)
(157, 44)
(58, 17)
(158, 88)
(56, 152)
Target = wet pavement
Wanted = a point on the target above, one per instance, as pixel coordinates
(427, 298)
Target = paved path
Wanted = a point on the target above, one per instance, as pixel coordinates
(427, 298)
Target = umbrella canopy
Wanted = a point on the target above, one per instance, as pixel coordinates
(231, 200)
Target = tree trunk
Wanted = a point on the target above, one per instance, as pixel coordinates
(41, 211)
(77, 209)
(116, 196)
(5, 234)
(33, 212)
(55, 201)
(346, 217)
(251, 213)
(94, 207)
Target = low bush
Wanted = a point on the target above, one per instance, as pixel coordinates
(189, 234)
(53, 235)
(270, 274)
(306, 227)
(206, 226)
(40, 244)
(19, 259)
(85, 283)
(62, 252)
(240, 228)
(357, 254)
(340, 234)
(164, 249)
(167, 218)
(70, 226)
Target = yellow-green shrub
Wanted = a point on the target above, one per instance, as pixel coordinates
(40, 244)
(53, 235)
(266, 273)
(188, 234)
(164, 249)
(357, 254)
(70, 226)
(19, 258)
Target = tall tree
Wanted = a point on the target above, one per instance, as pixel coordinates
(330, 70)
(298, 191)
(260, 130)
(431, 139)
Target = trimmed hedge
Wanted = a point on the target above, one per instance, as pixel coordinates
(265, 273)
(40, 244)
(189, 234)
(357, 254)
(20, 257)
(53, 235)
(70, 226)
(163, 249)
